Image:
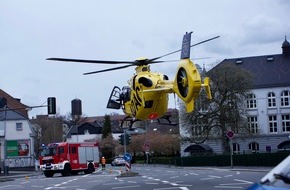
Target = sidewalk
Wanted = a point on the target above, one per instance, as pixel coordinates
(17, 174)
(265, 169)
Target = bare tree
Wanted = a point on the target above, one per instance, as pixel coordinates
(159, 143)
(230, 86)
(47, 130)
(108, 146)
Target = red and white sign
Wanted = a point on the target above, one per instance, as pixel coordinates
(230, 134)
(146, 146)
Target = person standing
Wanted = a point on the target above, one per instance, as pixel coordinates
(103, 161)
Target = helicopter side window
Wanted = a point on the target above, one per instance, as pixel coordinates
(126, 93)
(165, 77)
(145, 81)
(149, 104)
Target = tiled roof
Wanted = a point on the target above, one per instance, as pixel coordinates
(95, 128)
(269, 70)
(14, 103)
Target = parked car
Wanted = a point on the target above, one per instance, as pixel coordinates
(118, 161)
(277, 179)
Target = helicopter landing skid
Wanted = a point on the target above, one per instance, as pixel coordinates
(131, 120)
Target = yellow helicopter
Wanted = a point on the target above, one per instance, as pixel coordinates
(146, 96)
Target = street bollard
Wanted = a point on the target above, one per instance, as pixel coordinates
(6, 170)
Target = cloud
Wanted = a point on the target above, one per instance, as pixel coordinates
(32, 31)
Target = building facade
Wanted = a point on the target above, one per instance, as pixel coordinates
(268, 106)
(16, 136)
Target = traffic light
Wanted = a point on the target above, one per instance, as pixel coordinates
(128, 139)
(125, 139)
(121, 139)
(51, 105)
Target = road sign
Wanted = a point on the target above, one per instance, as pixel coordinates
(230, 134)
(146, 146)
(127, 157)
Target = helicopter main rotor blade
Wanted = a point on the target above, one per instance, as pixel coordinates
(91, 61)
(111, 69)
(180, 49)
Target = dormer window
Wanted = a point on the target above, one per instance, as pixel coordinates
(239, 61)
(270, 58)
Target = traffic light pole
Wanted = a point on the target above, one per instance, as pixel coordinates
(125, 151)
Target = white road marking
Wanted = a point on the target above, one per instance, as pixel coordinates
(207, 178)
(126, 187)
(116, 183)
(213, 176)
(234, 185)
(244, 181)
(152, 183)
(229, 187)
(183, 188)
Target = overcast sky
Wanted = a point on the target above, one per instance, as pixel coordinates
(33, 30)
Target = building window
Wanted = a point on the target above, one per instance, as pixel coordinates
(198, 127)
(285, 96)
(251, 101)
(273, 124)
(254, 147)
(19, 127)
(253, 124)
(286, 123)
(86, 132)
(236, 148)
(271, 100)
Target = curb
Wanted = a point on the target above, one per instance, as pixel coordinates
(14, 176)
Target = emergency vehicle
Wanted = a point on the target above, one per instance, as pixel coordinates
(69, 158)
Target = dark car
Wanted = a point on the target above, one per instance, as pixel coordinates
(118, 161)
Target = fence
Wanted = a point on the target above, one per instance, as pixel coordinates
(258, 159)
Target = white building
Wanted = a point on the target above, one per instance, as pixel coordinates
(16, 136)
(268, 105)
(85, 132)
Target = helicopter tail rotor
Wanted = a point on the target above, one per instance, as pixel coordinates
(187, 83)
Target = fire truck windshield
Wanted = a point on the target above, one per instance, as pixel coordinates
(48, 151)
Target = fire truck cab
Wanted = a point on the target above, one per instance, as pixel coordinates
(69, 158)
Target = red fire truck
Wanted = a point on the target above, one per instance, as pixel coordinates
(69, 158)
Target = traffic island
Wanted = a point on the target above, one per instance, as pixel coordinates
(128, 174)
